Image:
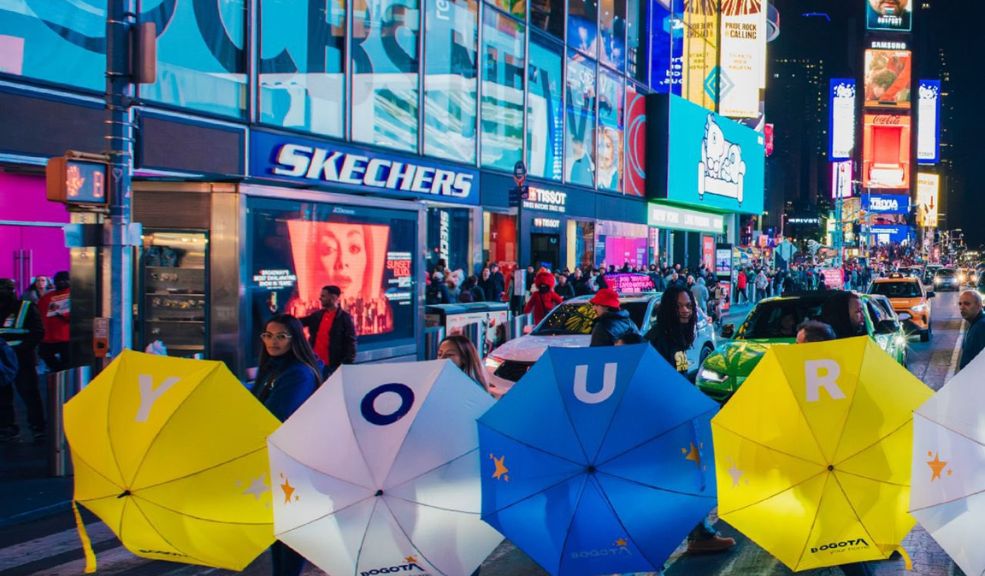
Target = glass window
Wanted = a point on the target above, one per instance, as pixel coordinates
(636, 66)
(548, 15)
(579, 128)
(302, 65)
(516, 8)
(545, 122)
(666, 46)
(612, 32)
(502, 90)
(384, 64)
(612, 99)
(450, 81)
(55, 42)
(583, 26)
(201, 62)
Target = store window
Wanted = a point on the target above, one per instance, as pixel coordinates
(612, 33)
(302, 65)
(636, 40)
(545, 122)
(612, 96)
(369, 253)
(449, 238)
(583, 26)
(201, 60)
(621, 243)
(548, 15)
(502, 90)
(54, 42)
(499, 241)
(451, 79)
(581, 244)
(384, 63)
(579, 128)
(515, 8)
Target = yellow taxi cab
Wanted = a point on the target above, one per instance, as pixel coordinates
(910, 301)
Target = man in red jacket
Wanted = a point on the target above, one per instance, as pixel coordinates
(544, 299)
(55, 307)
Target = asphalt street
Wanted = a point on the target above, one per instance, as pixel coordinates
(32, 542)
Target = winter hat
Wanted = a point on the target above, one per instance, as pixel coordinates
(606, 297)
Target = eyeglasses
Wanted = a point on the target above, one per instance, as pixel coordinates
(280, 336)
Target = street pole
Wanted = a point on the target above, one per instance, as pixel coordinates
(118, 287)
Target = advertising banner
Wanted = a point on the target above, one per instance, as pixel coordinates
(708, 252)
(891, 15)
(929, 122)
(841, 133)
(887, 78)
(674, 218)
(886, 151)
(713, 162)
(700, 80)
(841, 179)
(666, 46)
(635, 142)
(928, 191)
(890, 234)
(743, 66)
(886, 203)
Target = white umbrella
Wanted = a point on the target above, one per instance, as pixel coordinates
(948, 488)
(378, 472)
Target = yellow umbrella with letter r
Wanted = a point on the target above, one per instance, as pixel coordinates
(171, 454)
(813, 453)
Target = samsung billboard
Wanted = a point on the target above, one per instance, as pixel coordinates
(702, 159)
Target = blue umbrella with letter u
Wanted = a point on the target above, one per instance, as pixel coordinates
(598, 461)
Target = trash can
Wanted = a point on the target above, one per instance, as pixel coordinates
(433, 335)
(62, 386)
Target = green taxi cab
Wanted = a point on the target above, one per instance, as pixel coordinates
(773, 322)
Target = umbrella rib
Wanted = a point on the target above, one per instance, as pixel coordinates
(323, 516)
(407, 536)
(319, 470)
(362, 542)
(532, 447)
(949, 429)
(612, 507)
(167, 421)
(854, 511)
(851, 405)
(803, 414)
(201, 471)
(75, 454)
(194, 517)
(651, 486)
(817, 513)
(658, 436)
(622, 399)
(567, 532)
(864, 477)
(539, 492)
(158, 532)
(876, 441)
(770, 448)
(774, 495)
(943, 502)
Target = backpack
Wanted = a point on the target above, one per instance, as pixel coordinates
(8, 364)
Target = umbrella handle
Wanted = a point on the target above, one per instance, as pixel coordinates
(90, 555)
(907, 562)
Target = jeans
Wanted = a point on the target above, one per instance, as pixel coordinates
(857, 569)
(286, 562)
(27, 386)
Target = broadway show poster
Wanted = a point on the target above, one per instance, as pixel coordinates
(700, 81)
(297, 249)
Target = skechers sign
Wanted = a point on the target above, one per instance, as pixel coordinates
(710, 161)
(306, 161)
(886, 203)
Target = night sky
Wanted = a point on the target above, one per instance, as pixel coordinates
(830, 29)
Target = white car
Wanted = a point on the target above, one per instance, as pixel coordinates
(569, 325)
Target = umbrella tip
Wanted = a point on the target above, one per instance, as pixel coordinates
(124, 494)
(590, 469)
(831, 467)
(379, 493)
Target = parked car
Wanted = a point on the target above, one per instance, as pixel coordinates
(888, 326)
(569, 325)
(910, 301)
(946, 279)
(772, 322)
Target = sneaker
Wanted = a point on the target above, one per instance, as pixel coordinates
(716, 543)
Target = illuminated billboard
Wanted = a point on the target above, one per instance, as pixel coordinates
(841, 179)
(928, 189)
(892, 15)
(928, 121)
(743, 66)
(886, 151)
(841, 135)
(887, 78)
(704, 160)
(699, 83)
(666, 46)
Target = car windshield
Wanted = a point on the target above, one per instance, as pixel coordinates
(779, 318)
(896, 289)
(945, 272)
(573, 318)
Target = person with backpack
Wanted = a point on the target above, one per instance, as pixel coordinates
(612, 323)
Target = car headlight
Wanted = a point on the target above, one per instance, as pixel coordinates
(712, 376)
(921, 308)
(493, 363)
(937, 280)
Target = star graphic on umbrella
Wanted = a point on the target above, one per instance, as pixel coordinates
(936, 466)
(410, 560)
(736, 474)
(621, 542)
(502, 472)
(691, 453)
(288, 490)
(257, 488)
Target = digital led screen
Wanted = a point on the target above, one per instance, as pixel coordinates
(886, 151)
(635, 169)
(889, 234)
(743, 54)
(666, 46)
(928, 197)
(369, 253)
(887, 78)
(841, 135)
(700, 79)
(886, 203)
(892, 15)
(841, 179)
(929, 121)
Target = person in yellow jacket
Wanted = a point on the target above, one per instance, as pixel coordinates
(21, 328)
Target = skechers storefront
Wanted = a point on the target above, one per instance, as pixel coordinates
(702, 170)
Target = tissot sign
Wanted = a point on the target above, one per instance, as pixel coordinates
(886, 203)
(305, 161)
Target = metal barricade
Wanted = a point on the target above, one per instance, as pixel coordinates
(518, 324)
(433, 336)
(476, 333)
(62, 386)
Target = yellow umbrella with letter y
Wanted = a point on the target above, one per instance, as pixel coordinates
(813, 454)
(171, 454)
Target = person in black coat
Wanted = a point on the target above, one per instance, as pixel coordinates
(22, 329)
(612, 324)
(340, 346)
(564, 288)
(289, 373)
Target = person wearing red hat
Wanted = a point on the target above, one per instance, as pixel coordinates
(612, 323)
(545, 298)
